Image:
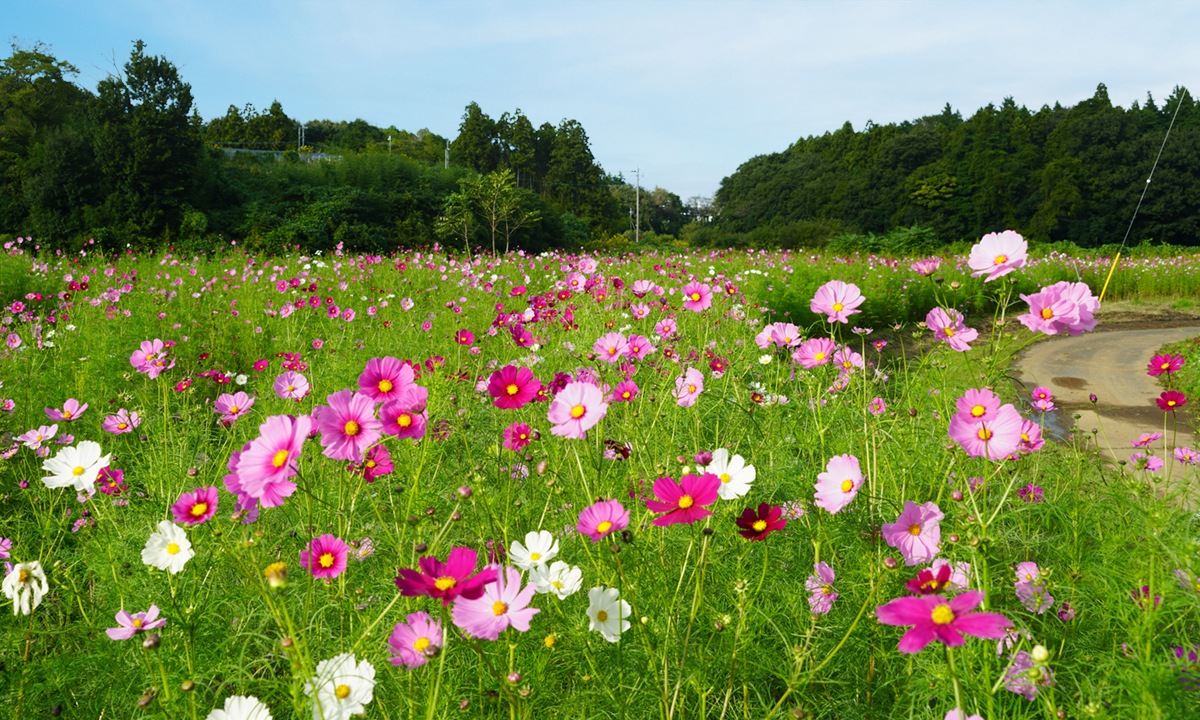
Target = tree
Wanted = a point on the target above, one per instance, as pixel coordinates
(475, 146)
(145, 144)
(458, 213)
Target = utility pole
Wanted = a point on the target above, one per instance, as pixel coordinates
(389, 144)
(637, 202)
(447, 154)
(300, 138)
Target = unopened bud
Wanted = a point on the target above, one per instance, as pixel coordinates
(152, 641)
(286, 643)
(145, 700)
(187, 686)
(890, 563)
(956, 496)
(514, 677)
(524, 692)
(1039, 654)
(420, 547)
(464, 492)
(541, 468)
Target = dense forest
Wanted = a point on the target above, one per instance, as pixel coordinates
(1059, 174)
(133, 163)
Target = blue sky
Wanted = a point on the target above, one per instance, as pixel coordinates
(684, 90)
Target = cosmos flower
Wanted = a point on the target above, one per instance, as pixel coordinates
(683, 502)
(446, 581)
(34, 439)
(347, 425)
(290, 385)
(916, 533)
(130, 625)
(406, 416)
(576, 409)
(1168, 364)
(1171, 400)
(820, 585)
(385, 379)
(998, 254)
(625, 391)
(948, 325)
(688, 387)
(733, 472)
(638, 347)
(326, 556)
(814, 353)
(697, 297)
(606, 613)
(168, 549)
(993, 439)
(559, 578)
(233, 406)
(926, 267)
(611, 347)
(504, 604)
(241, 707)
(540, 548)
(71, 410)
(837, 301)
(195, 506)
(839, 484)
(265, 464)
(513, 387)
(932, 617)
(602, 519)
(76, 467)
(25, 585)
(756, 525)
(341, 688)
(412, 639)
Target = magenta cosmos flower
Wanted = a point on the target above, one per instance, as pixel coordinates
(503, 604)
(1171, 400)
(512, 387)
(916, 533)
(601, 519)
(412, 640)
(978, 405)
(384, 378)
(195, 506)
(1062, 306)
(1168, 364)
(576, 409)
(684, 502)
(697, 297)
(611, 347)
(837, 300)
(446, 581)
(129, 625)
(814, 353)
(405, 416)
(71, 409)
(232, 406)
(378, 462)
(837, 486)
(755, 525)
(948, 326)
(993, 439)
(325, 557)
(290, 385)
(639, 347)
(688, 387)
(625, 391)
(266, 463)
(122, 422)
(820, 585)
(464, 337)
(516, 436)
(347, 425)
(998, 254)
(936, 618)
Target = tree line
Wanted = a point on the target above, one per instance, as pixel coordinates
(1059, 174)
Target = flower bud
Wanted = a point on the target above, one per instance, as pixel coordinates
(464, 492)
(1040, 654)
(187, 686)
(420, 547)
(890, 563)
(703, 458)
(541, 468)
(152, 641)
(524, 692)
(514, 677)
(956, 496)
(146, 699)
(708, 531)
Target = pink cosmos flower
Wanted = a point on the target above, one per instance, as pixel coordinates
(839, 484)
(1142, 461)
(1031, 437)
(847, 361)
(978, 405)
(948, 326)
(576, 409)
(1041, 393)
(347, 425)
(697, 297)
(377, 463)
(122, 422)
(446, 581)
(1168, 364)
(638, 347)
(611, 347)
(683, 502)
(1186, 455)
(464, 337)
(642, 287)
(1062, 306)
(1044, 406)
(688, 387)
(1146, 439)
(926, 267)
(406, 416)
(130, 625)
(820, 584)
(516, 436)
(935, 618)
(785, 335)
(837, 300)
(666, 327)
(602, 519)
(993, 439)
(998, 254)
(71, 410)
(326, 556)
(814, 353)
(152, 358)
(1171, 400)
(290, 386)
(625, 391)
(575, 282)
(1036, 598)
(195, 506)
(412, 641)
(34, 439)
(266, 463)
(916, 533)
(931, 581)
(1026, 678)
(233, 406)
(503, 604)
(513, 387)
(877, 406)
(384, 379)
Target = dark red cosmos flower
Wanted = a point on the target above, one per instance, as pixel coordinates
(1171, 400)
(448, 580)
(757, 525)
(928, 583)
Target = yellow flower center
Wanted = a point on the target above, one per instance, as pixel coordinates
(77, 471)
(385, 386)
(612, 350)
(421, 644)
(847, 485)
(601, 616)
(691, 388)
(625, 394)
(535, 556)
(137, 622)
(122, 426)
(578, 411)
(1028, 576)
(66, 414)
(604, 527)
(280, 459)
(695, 297)
(233, 409)
(371, 464)
(978, 411)
(1047, 313)
(725, 478)
(404, 420)
(826, 589)
(342, 692)
(1171, 403)
(291, 388)
(984, 434)
(199, 509)
(512, 389)
(23, 577)
(445, 582)
(949, 332)
(173, 549)
(1164, 366)
(351, 428)
(819, 356)
(557, 585)
(326, 560)
(686, 502)
(914, 529)
(837, 307)
(943, 615)
(499, 608)
(1000, 260)
(759, 525)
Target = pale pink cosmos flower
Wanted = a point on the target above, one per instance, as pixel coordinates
(1031, 437)
(785, 335)
(576, 409)
(916, 533)
(839, 484)
(412, 640)
(639, 310)
(1186, 455)
(34, 439)
(688, 387)
(1146, 439)
(129, 625)
(406, 416)
(233, 406)
(837, 301)
(1062, 306)
(122, 422)
(949, 326)
(611, 347)
(978, 405)
(994, 439)
(152, 358)
(814, 353)
(847, 361)
(666, 327)
(697, 297)
(927, 266)
(290, 385)
(820, 584)
(504, 604)
(71, 410)
(642, 287)
(998, 254)
(576, 281)
(347, 425)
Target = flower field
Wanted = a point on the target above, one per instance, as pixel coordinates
(627, 486)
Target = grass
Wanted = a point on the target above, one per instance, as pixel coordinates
(720, 627)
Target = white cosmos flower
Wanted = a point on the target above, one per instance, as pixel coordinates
(341, 688)
(25, 583)
(735, 475)
(764, 359)
(607, 612)
(241, 707)
(76, 467)
(242, 379)
(168, 549)
(560, 578)
(539, 548)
